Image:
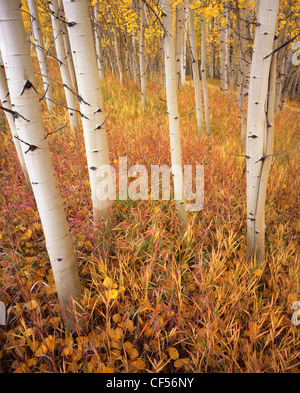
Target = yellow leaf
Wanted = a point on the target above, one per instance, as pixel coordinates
(32, 305)
(130, 325)
(107, 282)
(259, 272)
(113, 293)
(117, 318)
(139, 364)
(28, 233)
(107, 370)
(133, 353)
(173, 353)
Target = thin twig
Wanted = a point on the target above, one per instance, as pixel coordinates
(277, 154)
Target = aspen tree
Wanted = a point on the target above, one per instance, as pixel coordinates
(41, 53)
(203, 74)
(118, 54)
(69, 88)
(98, 41)
(184, 45)
(142, 56)
(174, 125)
(31, 132)
(179, 36)
(91, 105)
(69, 58)
(257, 122)
(6, 103)
(195, 66)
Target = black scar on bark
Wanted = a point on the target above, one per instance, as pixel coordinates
(28, 85)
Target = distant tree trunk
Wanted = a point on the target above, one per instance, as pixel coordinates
(118, 55)
(143, 70)
(171, 87)
(184, 46)
(99, 53)
(195, 68)
(222, 61)
(134, 47)
(56, 17)
(203, 74)
(179, 40)
(41, 53)
(69, 57)
(258, 123)
(91, 106)
(29, 122)
(6, 103)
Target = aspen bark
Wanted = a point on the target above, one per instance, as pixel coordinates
(29, 123)
(257, 122)
(6, 103)
(195, 68)
(118, 55)
(174, 125)
(41, 53)
(97, 35)
(91, 106)
(203, 73)
(259, 236)
(179, 40)
(143, 70)
(56, 18)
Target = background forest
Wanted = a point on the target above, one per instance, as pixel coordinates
(91, 285)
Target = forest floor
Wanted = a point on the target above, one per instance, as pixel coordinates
(154, 300)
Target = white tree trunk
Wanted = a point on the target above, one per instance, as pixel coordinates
(69, 57)
(257, 123)
(184, 45)
(6, 103)
(41, 55)
(143, 70)
(195, 68)
(174, 125)
(203, 73)
(179, 41)
(98, 42)
(118, 55)
(29, 122)
(56, 17)
(91, 106)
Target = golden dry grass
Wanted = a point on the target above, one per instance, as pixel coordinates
(153, 300)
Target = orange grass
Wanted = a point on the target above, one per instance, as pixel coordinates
(155, 301)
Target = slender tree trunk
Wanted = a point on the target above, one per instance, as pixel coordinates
(41, 53)
(195, 68)
(184, 45)
(118, 55)
(69, 58)
(171, 87)
(29, 122)
(143, 70)
(203, 73)
(91, 106)
(257, 122)
(6, 103)
(70, 90)
(260, 226)
(222, 61)
(97, 35)
(179, 40)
